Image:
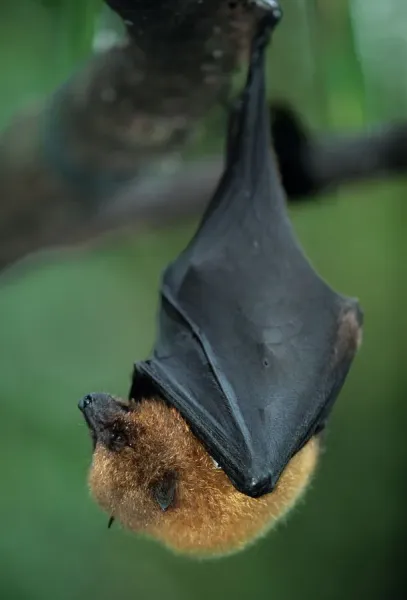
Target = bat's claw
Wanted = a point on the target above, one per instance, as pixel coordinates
(272, 7)
(270, 17)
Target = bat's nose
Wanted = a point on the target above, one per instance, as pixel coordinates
(85, 402)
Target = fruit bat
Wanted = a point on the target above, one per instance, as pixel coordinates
(220, 433)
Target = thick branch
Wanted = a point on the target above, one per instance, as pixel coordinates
(114, 122)
(328, 163)
(91, 159)
(37, 213)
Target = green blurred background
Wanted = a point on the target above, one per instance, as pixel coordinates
(76, 323)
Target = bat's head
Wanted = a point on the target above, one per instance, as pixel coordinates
(153, 475)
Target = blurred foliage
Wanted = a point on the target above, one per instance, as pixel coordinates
(40, 43)
(76, 323)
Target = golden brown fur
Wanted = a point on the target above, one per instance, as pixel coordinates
(208, 515)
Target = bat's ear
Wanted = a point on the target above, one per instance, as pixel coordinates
(141, 387)
(163, 490)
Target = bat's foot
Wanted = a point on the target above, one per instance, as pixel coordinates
(272, 8)
(270, 17)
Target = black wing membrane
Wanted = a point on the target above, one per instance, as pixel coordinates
(253, 345)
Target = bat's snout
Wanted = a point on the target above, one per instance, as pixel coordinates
(99, 410)
(97, 402)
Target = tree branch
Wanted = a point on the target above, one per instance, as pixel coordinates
(114, 122)
(324, 165)
(94, 157)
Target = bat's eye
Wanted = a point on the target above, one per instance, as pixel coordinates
(117, 439)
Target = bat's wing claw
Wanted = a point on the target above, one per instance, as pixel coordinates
(350, 329)
(272, 7)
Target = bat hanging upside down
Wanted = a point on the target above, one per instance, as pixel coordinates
(220, 434)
